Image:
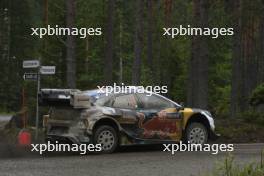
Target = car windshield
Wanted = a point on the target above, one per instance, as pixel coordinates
(154, 102)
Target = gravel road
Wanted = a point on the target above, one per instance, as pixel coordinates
(4, 119)
(131, 161)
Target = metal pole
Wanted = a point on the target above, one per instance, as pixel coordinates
(23, 107)
(37, 106)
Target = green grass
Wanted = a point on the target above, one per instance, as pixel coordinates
(6, 113)
(229, 168)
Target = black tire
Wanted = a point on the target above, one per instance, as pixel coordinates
(107, 137)
(196, 133)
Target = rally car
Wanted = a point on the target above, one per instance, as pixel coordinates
(122, 119)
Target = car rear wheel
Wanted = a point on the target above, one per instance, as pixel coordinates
(196, 133)
(107, 137)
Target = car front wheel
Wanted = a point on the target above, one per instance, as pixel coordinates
(107, 137)
(196, 133)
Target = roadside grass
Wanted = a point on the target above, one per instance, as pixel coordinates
(4, 113)
(239, 131)
(229, 168)
(253, 116)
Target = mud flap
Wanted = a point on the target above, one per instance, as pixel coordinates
(213, 135)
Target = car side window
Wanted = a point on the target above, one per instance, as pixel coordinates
(103, 101)
(154, 102)
(127, 101)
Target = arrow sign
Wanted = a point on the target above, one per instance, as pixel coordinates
(31, 64)
(47, 70)
(30, 76)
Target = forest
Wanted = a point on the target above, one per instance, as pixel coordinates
(224, 75)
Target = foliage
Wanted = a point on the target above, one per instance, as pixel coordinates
(252, 116)
(257, 96)
(171, 57)
(237, 130)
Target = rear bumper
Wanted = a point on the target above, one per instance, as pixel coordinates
(61, 139)
(63, 131)
(68, 138)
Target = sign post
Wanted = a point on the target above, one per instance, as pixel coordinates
(41, 70)
(37, 107)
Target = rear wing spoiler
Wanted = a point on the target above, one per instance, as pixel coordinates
(64, 97)
(51, 97)
(80, 100)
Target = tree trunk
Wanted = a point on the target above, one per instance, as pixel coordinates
(261, 51)
(247, 49)
(150, 35)
(87, 55)
(120, 50)
(236, 88)
(250, 57)
(108, 67)
(136, 72)
(198, 72)
(71, 44)
(166, 76)
(46, 11)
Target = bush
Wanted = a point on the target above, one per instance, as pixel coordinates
(253, 116)
(257, 96)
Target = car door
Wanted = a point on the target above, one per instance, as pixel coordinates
(159, 118)
(128, 105)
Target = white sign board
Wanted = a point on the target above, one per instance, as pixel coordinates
(30, 76)
(31, 64)
(47, 70)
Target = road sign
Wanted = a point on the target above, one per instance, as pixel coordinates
(30, 76)
(31, 64)
(44, 70)
(47, 70)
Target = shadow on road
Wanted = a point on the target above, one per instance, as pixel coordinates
(140, 148)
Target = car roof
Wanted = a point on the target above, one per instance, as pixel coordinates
(97, 93)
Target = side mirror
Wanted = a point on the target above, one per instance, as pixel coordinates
(182, 104)
(181, 107)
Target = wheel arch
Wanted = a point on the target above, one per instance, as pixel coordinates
(199, 118)
(106, 121)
